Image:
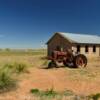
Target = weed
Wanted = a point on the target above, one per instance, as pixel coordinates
(50, 93)
(19, 68)
(95, 96)
(14, 68)
(34, 91)
(47, 93)
(8, 68)
(6, 82)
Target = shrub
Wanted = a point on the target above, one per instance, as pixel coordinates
(50, 92)
(47, 93)
(19, 68)
(34, 91)
(7, 49)
(8, 68)
(6, 82)
(14, 68)
(53, 95)
(95, 96)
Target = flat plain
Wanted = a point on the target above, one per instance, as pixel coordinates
(79, 81)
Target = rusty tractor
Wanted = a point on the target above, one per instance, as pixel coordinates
(67, 59)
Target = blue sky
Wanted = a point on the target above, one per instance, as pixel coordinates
(30, 23)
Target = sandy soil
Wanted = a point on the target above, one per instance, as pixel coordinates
(81, 81)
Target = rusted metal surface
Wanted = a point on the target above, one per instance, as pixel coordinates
(67, 58)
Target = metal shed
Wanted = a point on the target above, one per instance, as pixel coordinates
(84, 43)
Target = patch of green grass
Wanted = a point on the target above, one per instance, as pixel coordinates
(6, 82)
(7, 72)
(7, 68)
(44, 94)
(34, 91)
(20, 67)
(95, 96)
(51, 94)
(14, 68)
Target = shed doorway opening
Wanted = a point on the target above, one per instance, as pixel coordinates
(78, 48)
(94, 48)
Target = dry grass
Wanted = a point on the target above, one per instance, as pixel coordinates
(82, 82)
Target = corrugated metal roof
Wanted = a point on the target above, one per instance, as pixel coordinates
(81, 38)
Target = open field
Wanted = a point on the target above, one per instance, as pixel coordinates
(74, 81)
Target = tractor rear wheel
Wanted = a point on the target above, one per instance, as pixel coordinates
(80, 61)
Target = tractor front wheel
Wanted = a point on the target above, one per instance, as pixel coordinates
(65, 63)
(52, 64)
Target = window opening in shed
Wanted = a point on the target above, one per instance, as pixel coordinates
(78, 48)
(86, 48)
(94, 48)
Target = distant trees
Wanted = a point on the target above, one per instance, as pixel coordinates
(7, 49)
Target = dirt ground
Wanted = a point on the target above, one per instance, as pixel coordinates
(81, 81)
